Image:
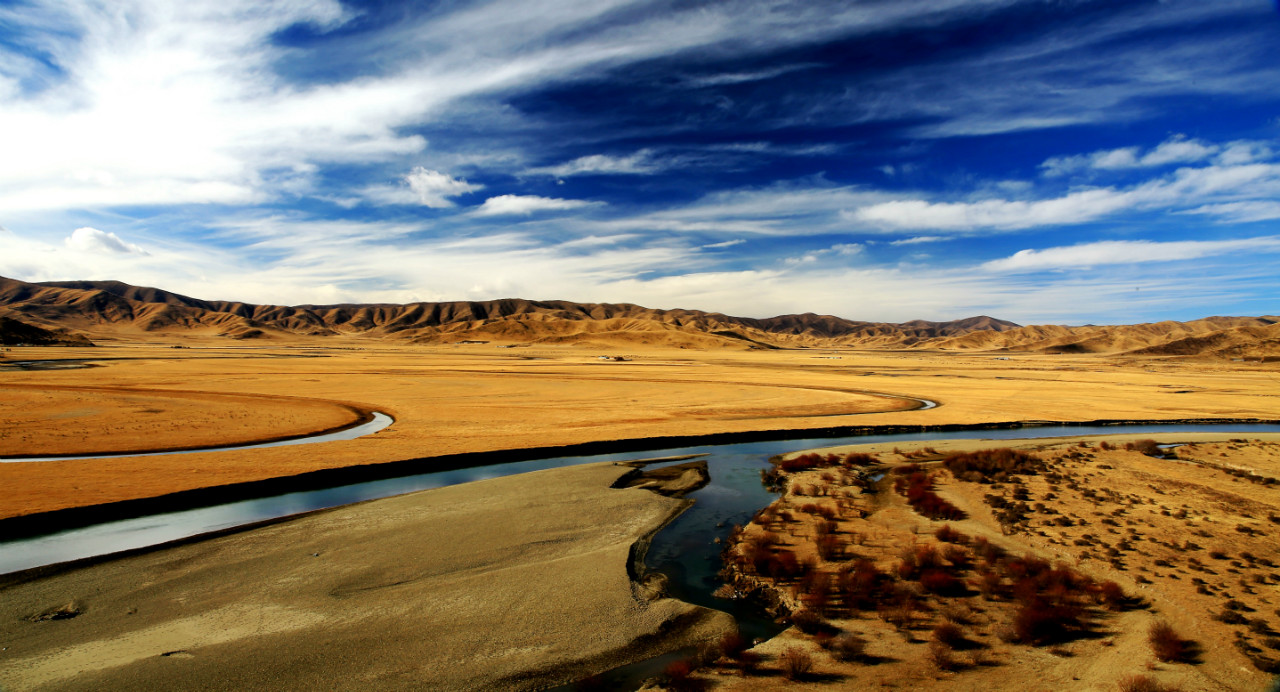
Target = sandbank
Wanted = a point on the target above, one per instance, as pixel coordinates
(511, 583)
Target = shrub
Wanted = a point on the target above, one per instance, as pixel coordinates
(859, 459)
(829, 547)
(940, 656)
(940, 582)
(1112, 595)
(1142, 683)
(949, 634)
(678, 674)
(988, 463)
(808, 621)
(1167, 645)
(783, 565)
(862, 584)
(1039, 623)
(946, 534)
(918, 489)
(796, 663)
(1148, 447)
(957, 556)
(848, 647)
(732, 645)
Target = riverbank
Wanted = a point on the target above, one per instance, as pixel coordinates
(510, 583)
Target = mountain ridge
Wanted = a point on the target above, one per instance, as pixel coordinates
(101, 308)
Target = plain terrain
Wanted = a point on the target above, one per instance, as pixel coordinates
(532, 570)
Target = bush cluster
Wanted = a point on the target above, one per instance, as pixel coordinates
(918, 489)
(988, 465)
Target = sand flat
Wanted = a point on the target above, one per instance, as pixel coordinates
(509, 583)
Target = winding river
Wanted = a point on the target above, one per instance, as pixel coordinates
(686, 550)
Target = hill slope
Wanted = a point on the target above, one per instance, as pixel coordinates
(104, 308)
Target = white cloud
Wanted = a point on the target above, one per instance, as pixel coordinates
(523, 205)
(1177, 149)
(87, 239)
(641, 162)
(839, 250)
(724, 244)
(1205, 188)
(433, 188)
(1076, 207)
(598, 241)
(919, 239)
(724, 78)
(1126, 252)
(1240, 212)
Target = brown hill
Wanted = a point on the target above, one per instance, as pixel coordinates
(1223, 337)
(106, 306)
(111, 307)
(17, 333)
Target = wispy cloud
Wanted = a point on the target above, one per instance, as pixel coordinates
(917, 240)
(641, 162)
(1211, 189)
(1175, 150)
(1127, 252)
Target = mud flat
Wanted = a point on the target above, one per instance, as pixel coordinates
(511, 583)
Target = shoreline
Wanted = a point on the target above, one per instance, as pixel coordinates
(54, 521)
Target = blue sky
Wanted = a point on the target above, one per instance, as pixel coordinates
(1043, 161)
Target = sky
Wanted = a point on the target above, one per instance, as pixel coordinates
(1041, 161)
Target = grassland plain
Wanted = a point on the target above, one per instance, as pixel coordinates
(144, 394)
(457, 399)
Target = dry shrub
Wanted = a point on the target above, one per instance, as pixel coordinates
(796, 663)
(860, 459)
(678, 674)
(950, 634)
(1112, 595)
(918, 489)
(1142, 683)
(939, 582)
(732, 645)
(940, 655)
(848, 647)
(830, 547)
(957, 556)
(862, 584)
(808, 621)
(1148, 447)
(1168, 646)
(947, 534)
(987, 463)
(1039, 623)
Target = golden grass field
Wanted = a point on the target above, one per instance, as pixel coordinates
(450, 399)
(471, 398)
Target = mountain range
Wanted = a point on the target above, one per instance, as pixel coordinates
(70, 311)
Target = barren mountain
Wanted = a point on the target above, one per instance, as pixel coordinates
(14, 333)
(103, 309)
